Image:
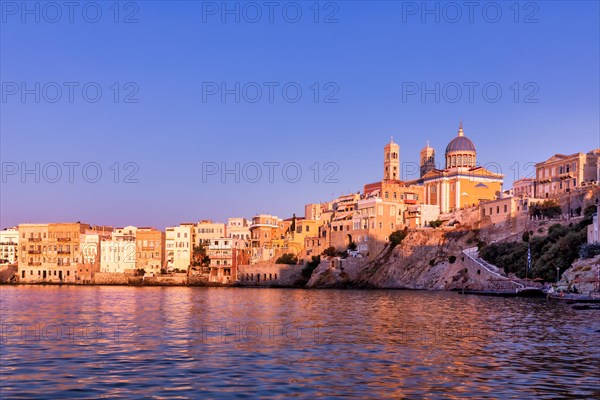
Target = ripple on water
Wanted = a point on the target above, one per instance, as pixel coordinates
(182, 342)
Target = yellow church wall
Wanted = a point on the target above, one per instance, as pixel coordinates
(476, 193)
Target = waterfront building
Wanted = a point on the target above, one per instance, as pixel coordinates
(315, 245)
(207, 230)
(150, 250)
(374, 220)
(50, 252)
(420, 215)
(299, 231)
(91, 251)
(9, 245)
(225, 255)
(179, 246)
(238, 228)
(118, 254)
(317, 211)
(503, 210)
(524, 187)
(562, 173)
(267, 233)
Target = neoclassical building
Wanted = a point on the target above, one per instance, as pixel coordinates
(461, 183)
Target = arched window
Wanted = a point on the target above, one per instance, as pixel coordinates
(460, 160)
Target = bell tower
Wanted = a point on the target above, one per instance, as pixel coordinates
(391, 161)
(427, 159)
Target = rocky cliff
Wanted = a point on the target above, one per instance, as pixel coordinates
(582, 276)
(426, 259)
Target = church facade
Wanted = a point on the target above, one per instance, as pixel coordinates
(461, 183)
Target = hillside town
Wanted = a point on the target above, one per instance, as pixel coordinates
(456, 192)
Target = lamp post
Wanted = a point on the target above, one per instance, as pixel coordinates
(557, 273)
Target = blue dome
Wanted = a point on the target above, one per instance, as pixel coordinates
(460, 143)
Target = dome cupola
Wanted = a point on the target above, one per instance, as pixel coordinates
(460, 152)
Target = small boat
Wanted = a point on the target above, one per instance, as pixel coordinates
(573, 298)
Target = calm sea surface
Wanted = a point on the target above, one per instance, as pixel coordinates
(94, 342)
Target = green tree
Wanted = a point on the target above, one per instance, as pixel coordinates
(558, 249)
(200, 257)
(311, 266)
(548, 209)
(435, 224)
(287, 258)
(330, 252)
(397, 237)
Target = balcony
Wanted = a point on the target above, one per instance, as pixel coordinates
(63, 239)
(34, 264)
(34, 239)
(34, 252)
(64, 252)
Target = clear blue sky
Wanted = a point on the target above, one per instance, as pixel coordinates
(369, 54)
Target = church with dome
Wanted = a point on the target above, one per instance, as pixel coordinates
(461, 183)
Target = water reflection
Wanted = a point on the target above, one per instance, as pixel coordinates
(89, 342)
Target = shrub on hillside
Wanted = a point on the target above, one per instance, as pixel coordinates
(311, 266)
(287, 258)
(589, 250)
(397, 237)
(559, 248)
(548, 209)
(435, 224)
(330, 252)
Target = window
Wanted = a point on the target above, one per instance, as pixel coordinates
(505, 208)
(497, 209)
